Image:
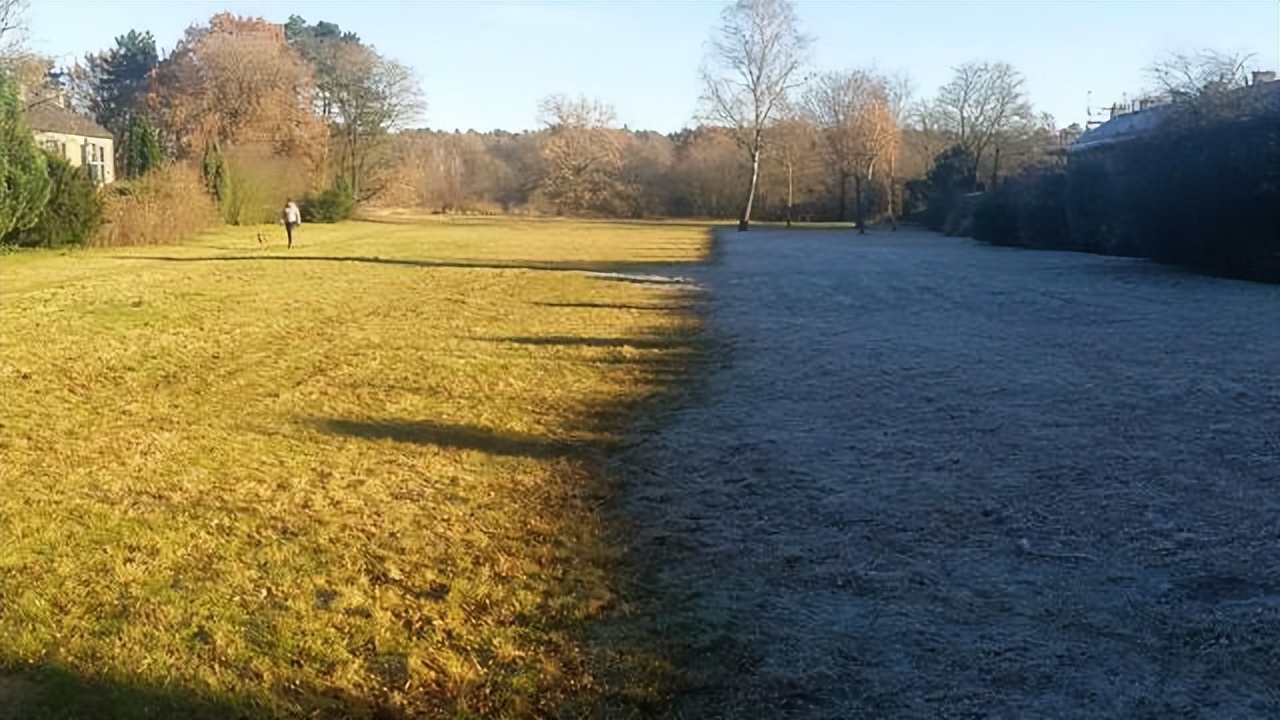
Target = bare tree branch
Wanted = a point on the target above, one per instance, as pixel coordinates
(581, 112)
(582, 153)
(983, 102)
(1186, 75)
(754, 62)
(855, 113)
(12, 26)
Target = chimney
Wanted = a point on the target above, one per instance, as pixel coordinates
(1263, 76)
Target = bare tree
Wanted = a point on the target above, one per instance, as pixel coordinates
(898, 91)
(582, 153)
(791, 140)
(582, 112)
(38, 83)
(362, 96)
(709, 169)
(755, 61)
(372, 97)
(12, 27)
(981, 103)
(927, 135)
(1188, 75)
(851, 109)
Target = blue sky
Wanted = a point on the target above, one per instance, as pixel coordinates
(484, 65)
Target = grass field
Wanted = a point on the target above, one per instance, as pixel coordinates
(358, 478)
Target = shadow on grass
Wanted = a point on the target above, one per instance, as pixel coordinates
(549, 266)
(54, 692)
(614, 306)
(48, 692)
(463, 437)
(595, 342)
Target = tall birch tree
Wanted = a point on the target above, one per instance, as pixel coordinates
(755, 59)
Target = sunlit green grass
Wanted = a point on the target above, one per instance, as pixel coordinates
(356, 478)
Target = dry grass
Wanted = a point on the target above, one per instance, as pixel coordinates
(360, 478)
(167, 205)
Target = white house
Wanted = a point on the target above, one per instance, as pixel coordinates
(83, 142)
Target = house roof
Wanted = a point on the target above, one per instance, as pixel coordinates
(1121, 127)
(48, 117)
(1262, 98)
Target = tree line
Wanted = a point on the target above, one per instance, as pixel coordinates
(261, 110)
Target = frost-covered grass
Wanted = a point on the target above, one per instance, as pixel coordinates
(929, 478)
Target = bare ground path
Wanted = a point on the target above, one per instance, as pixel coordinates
(927, 478)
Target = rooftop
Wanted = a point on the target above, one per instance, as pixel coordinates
(51, 117)
(1260, 98)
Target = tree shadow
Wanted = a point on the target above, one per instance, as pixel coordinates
(51, 691)
(56, 692)
(613, 270)
(463, 437)
(613, 306)
(595, 342)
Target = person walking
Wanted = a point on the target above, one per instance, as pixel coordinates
(292, 217)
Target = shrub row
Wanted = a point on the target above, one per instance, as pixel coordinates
(1199, 195)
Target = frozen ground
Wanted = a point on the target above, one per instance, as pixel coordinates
(925, 478)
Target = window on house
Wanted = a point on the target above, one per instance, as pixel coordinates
(95, 160)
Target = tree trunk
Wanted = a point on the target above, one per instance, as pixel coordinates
(844, 184)
(350, 153)
(893, 219)
(995, 169)
(790, 189)
(857, 202)
(745, 222)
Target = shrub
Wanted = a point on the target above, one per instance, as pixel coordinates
(249, 183)
(995, 218)
(329, 206)
(950, 180)
(24, 179)
(1199, 193)
(959, 220)
(213, 172)
(1089, 207)
(72, 213)
(1206, 196)
(142, 149)
(167, 205)
(1040, 200)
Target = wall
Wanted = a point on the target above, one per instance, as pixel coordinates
(79, 149)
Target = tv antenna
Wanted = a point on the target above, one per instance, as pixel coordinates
(1089, 113)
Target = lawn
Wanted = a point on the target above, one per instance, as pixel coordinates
(358, 478)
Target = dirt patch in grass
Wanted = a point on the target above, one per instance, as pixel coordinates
(360, 478)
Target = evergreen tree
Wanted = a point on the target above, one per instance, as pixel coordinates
(142, 151)
(72, 213)
(24, 180)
